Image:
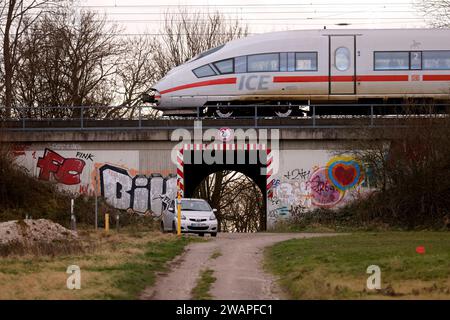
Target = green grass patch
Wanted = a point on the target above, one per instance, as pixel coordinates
(215, 255)
(201, 290)
(335, 267)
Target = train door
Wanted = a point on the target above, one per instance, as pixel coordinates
(342, 68)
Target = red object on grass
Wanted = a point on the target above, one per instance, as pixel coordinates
(420, 250)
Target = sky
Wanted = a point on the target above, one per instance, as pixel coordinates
(146, 16)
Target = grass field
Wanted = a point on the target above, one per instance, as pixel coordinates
(335, 268)
(117, 266)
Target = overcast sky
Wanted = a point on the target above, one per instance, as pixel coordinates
(145, 16)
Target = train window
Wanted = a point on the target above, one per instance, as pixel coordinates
(436, 60)
(208, 52)
(224, 66)
(391, 60)
(306, 61)
(283, 61)
(240, 64)
(342, 58)
(415, 60)
(204, 71)
(291, 61)
(263, 62)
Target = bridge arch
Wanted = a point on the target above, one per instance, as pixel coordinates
(191, 173)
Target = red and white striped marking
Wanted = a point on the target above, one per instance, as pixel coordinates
(180, 173)
(224, 146)
(269, 168)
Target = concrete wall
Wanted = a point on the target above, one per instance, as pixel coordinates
(313, 178)
(137, 176)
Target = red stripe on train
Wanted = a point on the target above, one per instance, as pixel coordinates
(283, 79)
(300, 79)
(201, 84)
(365, 78)
(374, 78)
(436, 77)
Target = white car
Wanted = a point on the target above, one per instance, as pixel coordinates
(197, 216)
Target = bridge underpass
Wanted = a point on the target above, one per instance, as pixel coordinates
(250, 163)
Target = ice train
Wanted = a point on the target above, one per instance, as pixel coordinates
(285, 70)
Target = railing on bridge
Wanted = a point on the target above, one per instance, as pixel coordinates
(256, 116)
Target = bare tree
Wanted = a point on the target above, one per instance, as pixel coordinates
(68, 59)
(238, 200)
(17, 16)
(186, 34)
(410, 168)
(135, 74)
(73, 58)
(436, 11)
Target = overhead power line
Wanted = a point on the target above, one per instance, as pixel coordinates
(268, 19)
(265, 12)
(203, 5)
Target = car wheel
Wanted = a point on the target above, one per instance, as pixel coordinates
(213, 234)
(174, 228)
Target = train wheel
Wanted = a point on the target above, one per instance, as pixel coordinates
(283, 112)
(224, 112)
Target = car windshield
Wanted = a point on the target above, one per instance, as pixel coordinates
(189, 205)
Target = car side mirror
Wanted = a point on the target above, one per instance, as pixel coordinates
(214, 210)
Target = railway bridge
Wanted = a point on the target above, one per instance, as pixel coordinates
(140, 164)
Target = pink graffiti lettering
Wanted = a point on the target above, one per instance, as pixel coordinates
(323, 193)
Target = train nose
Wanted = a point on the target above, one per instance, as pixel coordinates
(153, 97)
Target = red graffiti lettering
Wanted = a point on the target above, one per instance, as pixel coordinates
(49, 163)
(84, 189)
(66, 171)
(69, 172)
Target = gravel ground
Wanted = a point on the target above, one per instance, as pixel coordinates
(29, 231)
(239, 271)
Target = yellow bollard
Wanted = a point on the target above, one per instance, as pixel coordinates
(106, 222)
(179, 214)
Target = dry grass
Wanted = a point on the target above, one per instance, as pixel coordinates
(53, 248)
(105, 269)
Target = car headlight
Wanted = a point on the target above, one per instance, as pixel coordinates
(212, 217)
(183, 217)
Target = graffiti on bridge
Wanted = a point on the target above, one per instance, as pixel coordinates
(121, 187)
(321, 186)
(64, 170)
(142, 194)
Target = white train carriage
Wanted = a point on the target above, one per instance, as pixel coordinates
(312, 67)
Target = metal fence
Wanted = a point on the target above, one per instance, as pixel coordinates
(252, 116)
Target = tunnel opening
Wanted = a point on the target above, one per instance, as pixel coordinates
(246, 167)
(238, 199)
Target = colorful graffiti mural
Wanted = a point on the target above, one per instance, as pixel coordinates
(344, 172)
(325, 186)
(107, 173)
(323, 192)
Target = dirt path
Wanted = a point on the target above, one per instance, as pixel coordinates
(238, 270)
